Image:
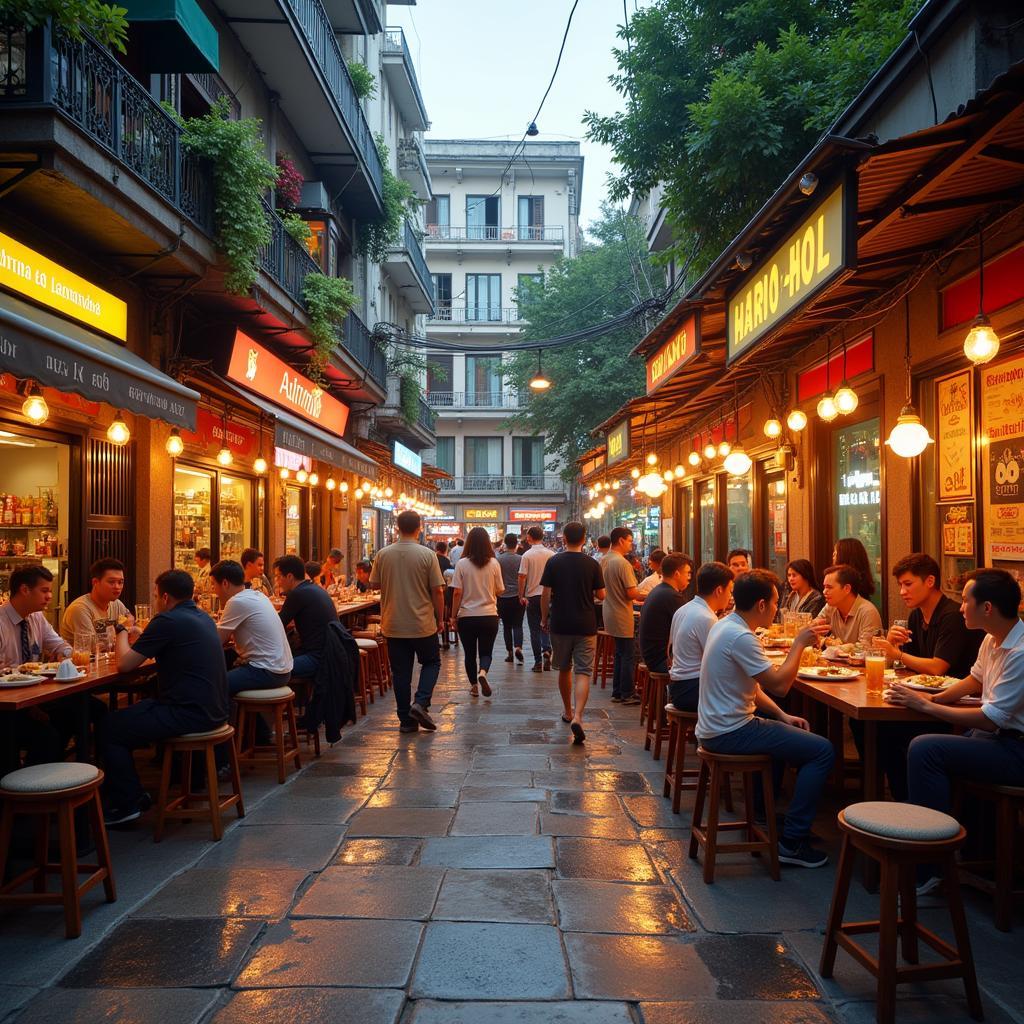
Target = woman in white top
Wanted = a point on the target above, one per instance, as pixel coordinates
(476, 587)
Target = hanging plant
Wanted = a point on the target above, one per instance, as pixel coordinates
(241, 176)
(329, 300)
(289, 183)
(409, 365)
(377, 237)
(363, 80)
(107, 22)
(295, 226)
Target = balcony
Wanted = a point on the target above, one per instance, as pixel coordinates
(473, 400)
(358, 340)
(525, 236)
(285, 260)
(482, 315)
(412, 166)
(390, 416)
(292, 43)
(355, 17)
(510, 486)
(401, 75)
(408, 269)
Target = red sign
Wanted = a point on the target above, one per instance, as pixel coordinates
(532, 515)
(212, 432)
(1004, 283)
(261, 371)
(860, 358)
(676, 352)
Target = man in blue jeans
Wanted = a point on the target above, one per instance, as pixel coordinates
(735, 715)
(308, 609)
(531, 568)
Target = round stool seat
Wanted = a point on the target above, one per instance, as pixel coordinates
(276, 693)
(901, 821)
(221, 732)
(366, 644)
(710, 755)
(673, 712)
(49, 778)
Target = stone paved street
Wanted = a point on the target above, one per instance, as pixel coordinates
(489, 873)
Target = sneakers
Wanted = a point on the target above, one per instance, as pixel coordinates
(928, 887)
(120, 815)
(633, 700)
(519, 655)
(419, 713)
(481, 678)
(408, 727)
(616, 700)
(508, 658)
(801, 854)
(547, 661)
(537, 667)
(474, 690)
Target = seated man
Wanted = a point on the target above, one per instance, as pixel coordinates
(192, 689)
(992, 748)
(332, 572)
(313, 571)
(739, 561)
(659, 608)
(308, 608)
(261, 643)
(363, 570)
(735, 715)
(848, 615)
(688, 632)
(653, 578)
(255, 576)
(203, 558)
(100, 609)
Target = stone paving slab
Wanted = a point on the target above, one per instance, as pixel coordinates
(499, 794)
(401, 821)
(604, 859)
(495, 819)
(490, 852)
(388, 892)
(581, 825)
(591, 805)
(585, 905)
(226, 892)
(378, 851)
(286, 809)
(276, 846)
(436, 797)
(734, 1012)
(312, 1006)
(429, 1012)
(101, 1006)
(522, 897)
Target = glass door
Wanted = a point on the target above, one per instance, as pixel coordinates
(235, 517)
(857, 490)
(193, 515)
(775, 520)
(483, 297)
(739, 514)
(706, 519)
(482, 217)
(294, 508)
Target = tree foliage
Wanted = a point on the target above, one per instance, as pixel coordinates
(107, 22)
(723, 100)
(590, 379)
(378, 237)
(363, 80)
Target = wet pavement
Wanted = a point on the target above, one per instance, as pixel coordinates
(488, 873)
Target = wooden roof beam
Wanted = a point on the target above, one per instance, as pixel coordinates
(1004, 155)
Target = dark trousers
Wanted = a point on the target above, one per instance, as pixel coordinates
(511, 612)
(246, 677)
(622, 674)
(684, 694)
(894, 739)
(139, 725)
(402, 652)
(539, 640)
(477, 631)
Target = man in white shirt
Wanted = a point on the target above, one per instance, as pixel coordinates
(531, 569)
(849, 616)
(688, 635)
(102, 608)
(735, 715)
(653, 578)
(456, 551)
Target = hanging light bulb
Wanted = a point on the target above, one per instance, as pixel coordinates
(909, 436)
(344, 487)
(259, 466)
(616, 485)
(224, 456)
(359, 494)
(827, 408)
(388, 492)
(724, 448)
(982, 342)
(680, 471)
(366, 485)
(34, 408)
(174, 445)
(118, 432)
(772, 428)
(846, 400)
(314, 479)
(331, 483)
(737, 462)
(652, 459)
(539, 382)
(635, 473)
(710, 451)
(693, 458)
(796, 420)
(302, 476)
(609, 500)
(284, 474)
(668, 476)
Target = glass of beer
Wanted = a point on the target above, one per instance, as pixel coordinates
(789, 624)
(142, 615)
(82, 647)
(874, 671)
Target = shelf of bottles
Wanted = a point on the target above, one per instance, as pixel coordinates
(192, 516)
(28, 524)
(235, 516)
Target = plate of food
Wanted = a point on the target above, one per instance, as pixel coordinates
(929, 684)
(839, 652)
(828, 673)
(15, 679)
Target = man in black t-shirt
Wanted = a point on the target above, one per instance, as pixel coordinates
(659, 607)
(192, 688)
(308, 608)
(570, 584)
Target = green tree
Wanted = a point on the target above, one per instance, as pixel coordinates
(723, 100)
(590, 379)
(107, 22)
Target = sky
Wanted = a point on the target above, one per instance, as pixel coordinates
(483, 66)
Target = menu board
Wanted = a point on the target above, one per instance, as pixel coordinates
(1002, 452)
(954, 421)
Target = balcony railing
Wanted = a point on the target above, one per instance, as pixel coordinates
(287, 261)
(511, 485)
(411, 244)
(476, 314)
(360, 343)
(473, 400)
(394, 42)
(493, 233)
(427, 419)
(82, 80)
(316, 27)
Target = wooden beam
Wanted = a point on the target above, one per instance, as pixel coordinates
(963, 202)
(1004, 155)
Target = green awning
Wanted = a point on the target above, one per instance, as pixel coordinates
(172, 35)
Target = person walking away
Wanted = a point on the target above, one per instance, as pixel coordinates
(455, 552)
(570, 585)
(412, 614)
(531, 568)
(510, 611)
(476, 586)
(442, 556)
(620, 593)
(659, 606)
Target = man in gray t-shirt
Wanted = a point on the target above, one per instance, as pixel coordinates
(510, 610)
(620, 593)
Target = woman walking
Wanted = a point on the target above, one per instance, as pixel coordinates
(476, 587)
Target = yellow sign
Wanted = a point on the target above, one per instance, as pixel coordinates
(481, 513)
(812, 255)
(31, 274)
(618, 443)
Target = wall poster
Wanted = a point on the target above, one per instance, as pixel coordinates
(1002, 453)
(954, 429)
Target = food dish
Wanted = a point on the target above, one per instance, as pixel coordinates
(930, 684)
(834, 673)
(15, 679)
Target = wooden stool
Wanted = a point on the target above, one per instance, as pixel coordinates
(899, 837)
(1009, 801)
(714, 770)
(374, 661)
(58, 789)
(303, 687)
(604, 664)
(362, 688)
(677, 776)
(189, 804)
(657, 727)
(280, 702)
(641, 684)
(385, 656)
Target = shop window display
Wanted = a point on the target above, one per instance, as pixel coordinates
(857, 506)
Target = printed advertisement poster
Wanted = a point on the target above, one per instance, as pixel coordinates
(1002, 405)
(955, 416)
(667, 526)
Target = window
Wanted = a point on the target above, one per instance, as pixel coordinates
(706, 501)
(439, 375)
(483, 220)
(442, 295)
(858, 489)
(439, 216)
(483, 380)
(483, 462)
(528, 462)
(483, 297)
(774, 517)
(444, 455)
(739, 515)
(526, 284)
(531, 218)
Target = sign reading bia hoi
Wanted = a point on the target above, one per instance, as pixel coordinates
(821, 248)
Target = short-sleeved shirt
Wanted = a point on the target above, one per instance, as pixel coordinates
(480, 587)
(408, 575)
(444, 562)
(733, 658)
(190, 667)
(311, 609)
(43, 640)
(946, 637)
(1000, 670)
(260, 637)
(649, 582)
(863, 615)
(83, 615)
(618, 608)
(510, 562)
(572, 577)
(689, 635)
(532, 567)
(656, 625)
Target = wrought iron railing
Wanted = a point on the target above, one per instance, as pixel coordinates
(287, 261)
(427, 419)
(473, 400)
(410, 246)
(82, 80)
(394, 42)
(498, 484)
(475, 314)
(360, 343)
(493, 233)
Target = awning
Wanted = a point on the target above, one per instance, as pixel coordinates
(172, 35)
(306, 439)
(35, 344)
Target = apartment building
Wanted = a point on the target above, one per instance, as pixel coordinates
(493, 223)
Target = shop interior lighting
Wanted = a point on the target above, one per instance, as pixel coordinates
(652, 459)
(34, 407)
(331, 483)
(846, 398)
(710, 451)
(174, 445)
(982, 342)
(909, 436)
(635, 473)
(680, 471)
(539, 382)
(772, 428)
(724, 448)
(668, 476)
(314, 479)
(366, 485)
(224, 456)
(344, 487)
(388, 492)
(796, 420)
(260, 465)
(302, 476)
(616, 485)
(118, 432)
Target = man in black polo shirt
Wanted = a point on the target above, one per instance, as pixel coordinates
(658, 609)
(192, 688)
(308, 608)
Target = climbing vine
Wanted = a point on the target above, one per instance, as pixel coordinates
(363, 80)
(377, 237)
(329, 300)
(295, 226)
